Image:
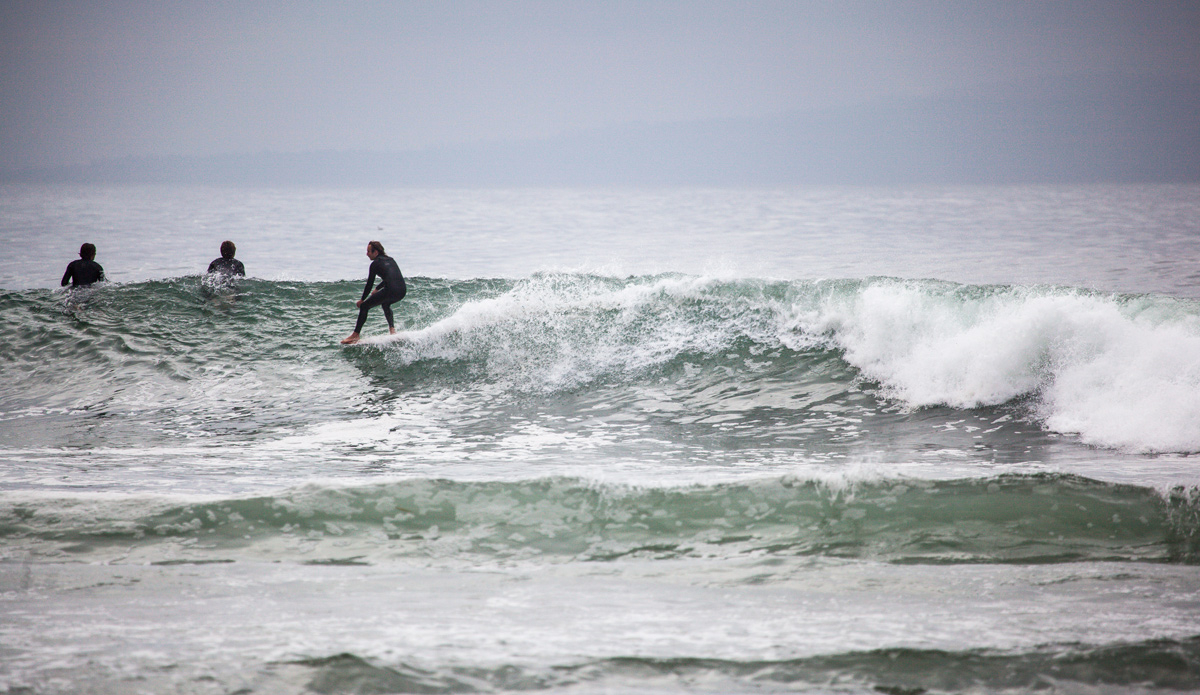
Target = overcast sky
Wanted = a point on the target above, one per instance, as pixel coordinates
(87, 80)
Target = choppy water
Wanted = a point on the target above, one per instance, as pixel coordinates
(623, 477)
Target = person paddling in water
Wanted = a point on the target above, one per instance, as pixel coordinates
(84, 271)
(227, 264)
(391, 289)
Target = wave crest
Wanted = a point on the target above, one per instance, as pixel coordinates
(1121, 372)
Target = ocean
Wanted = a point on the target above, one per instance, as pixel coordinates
(825, 440)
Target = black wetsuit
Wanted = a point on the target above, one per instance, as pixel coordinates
(227, 266)
(81, 272)
(391, 289)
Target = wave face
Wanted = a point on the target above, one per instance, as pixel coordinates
(1160, 664)
(816, 360)
(1010, 519)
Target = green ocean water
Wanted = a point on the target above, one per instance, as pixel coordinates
(591, 481)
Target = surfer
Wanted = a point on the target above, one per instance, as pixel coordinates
(227, 264)
(85, 270)
(391, 289)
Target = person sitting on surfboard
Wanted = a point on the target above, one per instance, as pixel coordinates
(391, 289)
(227, 264)
(85, 270)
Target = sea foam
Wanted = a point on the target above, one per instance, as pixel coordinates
(1119, 372)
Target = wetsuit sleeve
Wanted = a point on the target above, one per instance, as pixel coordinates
(67, 275)
(370, 280)
(212, 267)
(383, 274)
(241, 269)
(100, 269)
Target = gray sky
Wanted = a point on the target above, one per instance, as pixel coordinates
(87, 80)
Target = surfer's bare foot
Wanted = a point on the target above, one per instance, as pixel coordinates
(391, 330)
(350, 339)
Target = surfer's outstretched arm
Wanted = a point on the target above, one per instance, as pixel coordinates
(362, 311)
(370, 282)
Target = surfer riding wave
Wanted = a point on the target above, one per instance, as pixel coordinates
(391, 289)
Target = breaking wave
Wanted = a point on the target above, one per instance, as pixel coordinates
(1120, 372)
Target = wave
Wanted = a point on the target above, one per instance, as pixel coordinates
(1118, 371)
(1131, 667)
(1006, 519)
(1155, 665)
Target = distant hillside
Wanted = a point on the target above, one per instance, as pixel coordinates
(1118, 131)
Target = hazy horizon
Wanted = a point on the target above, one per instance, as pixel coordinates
(637, 92)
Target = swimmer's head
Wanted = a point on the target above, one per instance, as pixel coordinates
(87, 251)
(376, 247)
(228, 249)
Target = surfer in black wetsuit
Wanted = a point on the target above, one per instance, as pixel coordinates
(227, 264)
(84, 271)
(391, 289)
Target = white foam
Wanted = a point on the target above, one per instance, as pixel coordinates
(553, 332)
(1140, 389)
(1120, 374)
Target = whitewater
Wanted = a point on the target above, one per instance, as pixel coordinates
(680, 440)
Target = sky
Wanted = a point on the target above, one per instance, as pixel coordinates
(89, 80)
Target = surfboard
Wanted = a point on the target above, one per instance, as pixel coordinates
(384, 339)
